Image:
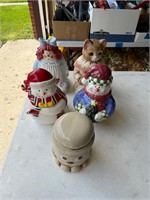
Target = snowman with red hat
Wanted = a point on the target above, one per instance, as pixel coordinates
(47, 101)
(95, 100)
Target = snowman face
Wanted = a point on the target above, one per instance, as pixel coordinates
(72, 159)
(48, 55)
(98, 89)
(44, 89)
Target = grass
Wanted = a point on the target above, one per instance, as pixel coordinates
(15, 23)
(12, 1)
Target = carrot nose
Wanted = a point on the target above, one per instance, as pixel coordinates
(43, 93)
(96, 89)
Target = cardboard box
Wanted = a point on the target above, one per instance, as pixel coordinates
(115, 25)
(71, 30)
(142, 37)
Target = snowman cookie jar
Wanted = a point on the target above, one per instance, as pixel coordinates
(95, 100)
(73, 136)
(49, 57)
(47, 101)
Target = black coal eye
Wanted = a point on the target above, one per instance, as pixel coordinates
(39, 90)
(80, 157)
(91, 54)
(46, 89)
(100, 53)
(64, 158)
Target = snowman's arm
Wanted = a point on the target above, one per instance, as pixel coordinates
(110, 105)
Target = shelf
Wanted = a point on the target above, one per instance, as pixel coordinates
(109, 44)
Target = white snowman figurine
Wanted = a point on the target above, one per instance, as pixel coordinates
(73, 137)
(95, 100)
(49, 57)
(47, 101)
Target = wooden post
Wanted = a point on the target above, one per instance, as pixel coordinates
(35, 18)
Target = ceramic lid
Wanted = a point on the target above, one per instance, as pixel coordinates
(73, 130)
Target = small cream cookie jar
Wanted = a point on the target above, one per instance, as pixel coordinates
(73, 136)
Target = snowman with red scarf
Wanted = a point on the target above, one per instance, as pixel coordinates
(47, 101)
(95, 99)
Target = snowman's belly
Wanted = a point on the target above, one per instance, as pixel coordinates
(54, 109)
(81, 98)
(50, 115)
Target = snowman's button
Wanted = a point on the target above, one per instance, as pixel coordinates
(73, 130)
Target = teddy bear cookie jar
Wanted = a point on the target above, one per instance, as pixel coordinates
(95, 100)
(47, 101)
(73, 136)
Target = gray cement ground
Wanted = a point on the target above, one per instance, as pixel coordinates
(16, 60)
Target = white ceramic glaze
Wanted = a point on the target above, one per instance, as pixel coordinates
(49, 115)
(47, 101)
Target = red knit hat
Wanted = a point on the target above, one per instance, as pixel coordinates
(36, 77)
(99, 73)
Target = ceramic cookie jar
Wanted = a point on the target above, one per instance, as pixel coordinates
(95, 100)
(73, 136)
(47, 101)
(50, 58)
